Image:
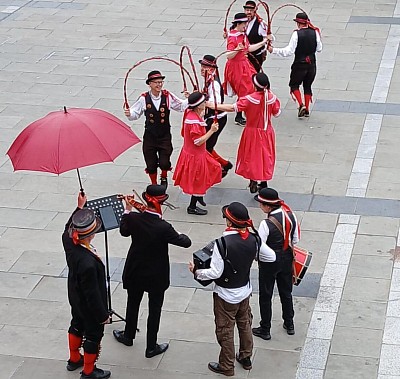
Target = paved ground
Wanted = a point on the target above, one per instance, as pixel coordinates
(339, 170)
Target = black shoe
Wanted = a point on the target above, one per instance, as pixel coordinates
(289, 329)
(72, 366)
(245, 362)
(307, 113)
(164, 182)
(159, 349)
(215, 367)
(240, 121)
(262, 333)
(262, 185)
(253, 186)
(197, 211)
(226, 168)
(302, 111)
(97, 373)
(119, 335)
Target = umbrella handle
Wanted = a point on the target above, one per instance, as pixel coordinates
(80, 183)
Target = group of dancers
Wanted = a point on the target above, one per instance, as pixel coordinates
(199, 166)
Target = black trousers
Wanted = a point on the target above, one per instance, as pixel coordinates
(82, 326)
(302, 73)
(157, 151)
(280, 272)
(212, 141)
(156, 300)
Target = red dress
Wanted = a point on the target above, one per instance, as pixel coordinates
(238, 70)
(256, 152)
(196, 170)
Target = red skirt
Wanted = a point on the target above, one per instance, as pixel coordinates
(256, 154)
(238, 75)
(196, 173)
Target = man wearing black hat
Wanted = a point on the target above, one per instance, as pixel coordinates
(147, 266)
(156, 105)
(214, 93)
(87, 292)
(231, 261)
(256, 32)
(304, 43)
(280, 231)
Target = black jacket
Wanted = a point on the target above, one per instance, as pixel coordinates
(87, 293)
(147, 263)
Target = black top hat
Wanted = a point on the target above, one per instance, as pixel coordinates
(250, 4)
(240, 17)
(156, 192)
(301, 18)
(237, 214)
(195, 99)
(268, 196)
(85, 223)
(261, 80)
(209, 61)
(154, 75)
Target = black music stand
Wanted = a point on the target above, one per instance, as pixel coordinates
(110, 210)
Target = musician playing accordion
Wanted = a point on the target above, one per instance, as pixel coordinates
(231, 261)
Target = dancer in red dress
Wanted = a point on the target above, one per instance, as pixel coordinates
(196, 170)
(256, 152)
(238, 69)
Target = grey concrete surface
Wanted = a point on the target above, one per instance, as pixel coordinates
(339, 170)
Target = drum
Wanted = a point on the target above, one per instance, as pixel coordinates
(302, 259)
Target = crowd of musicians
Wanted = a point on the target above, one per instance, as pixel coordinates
(198, 168)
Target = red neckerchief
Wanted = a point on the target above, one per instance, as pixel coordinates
(243, 233)
(155, 202)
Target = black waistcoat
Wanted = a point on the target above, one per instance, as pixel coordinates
(157, 121)
(306, 46)
(239, 257)
(254, 37)
(275, 237)
(210, 112)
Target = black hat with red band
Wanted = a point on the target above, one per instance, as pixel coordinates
(209, 61)
(237, 214)
(154, 75)
(301, 18)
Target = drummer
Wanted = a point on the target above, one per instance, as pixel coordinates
(280, 231)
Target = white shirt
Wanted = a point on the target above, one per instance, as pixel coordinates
(291, 47)
(230, 295)
(262, 28)
(210, 92)
(263, 232)
(174, 102)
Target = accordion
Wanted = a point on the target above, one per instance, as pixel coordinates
(202, 259)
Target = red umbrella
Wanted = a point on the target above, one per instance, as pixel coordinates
(70, 139)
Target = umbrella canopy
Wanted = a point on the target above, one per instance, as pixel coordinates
(70, 139)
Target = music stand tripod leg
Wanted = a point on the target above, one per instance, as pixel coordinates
(111, 312)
